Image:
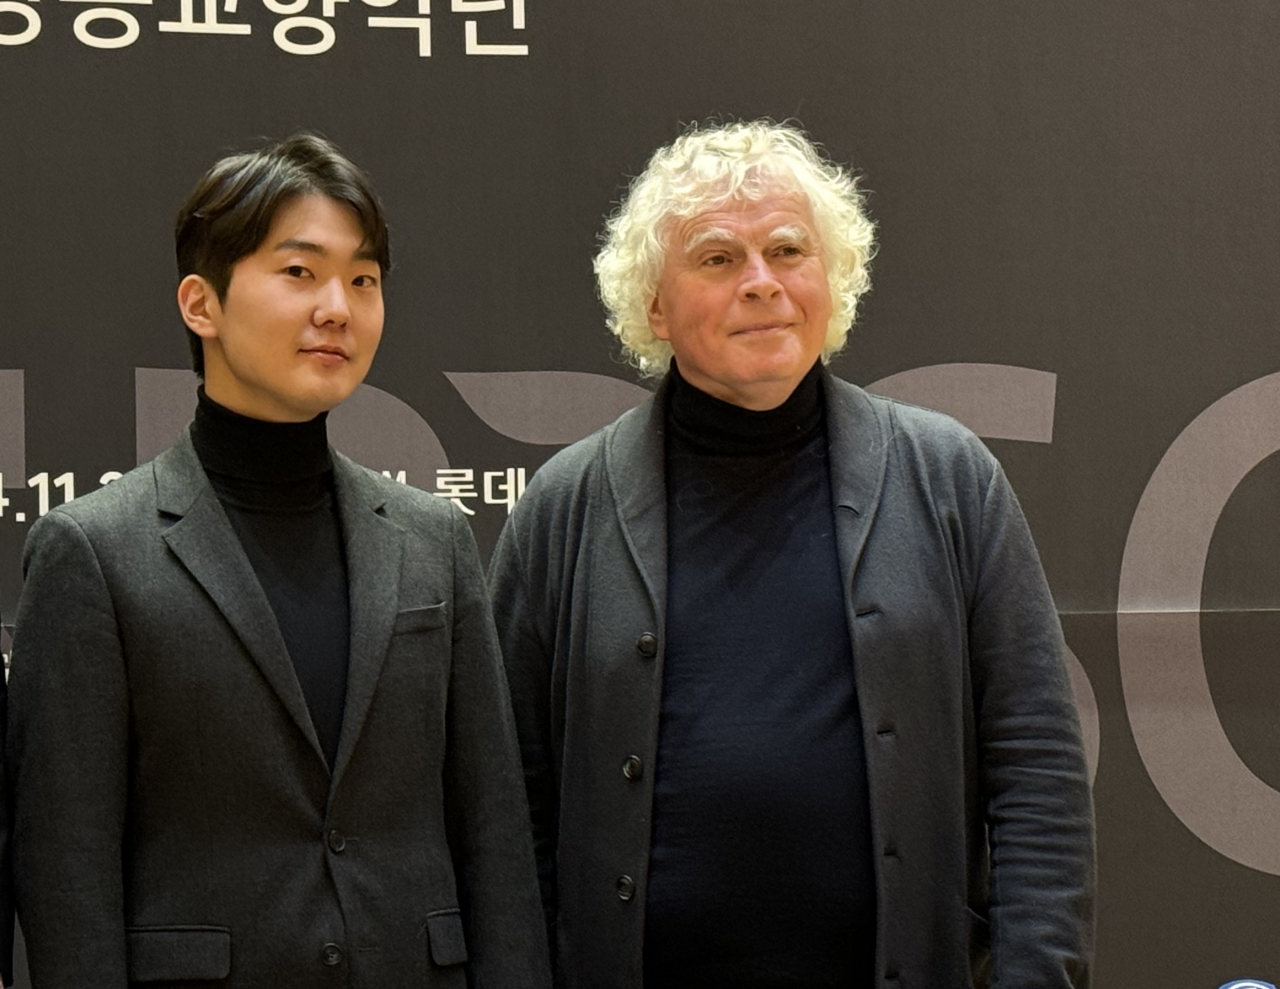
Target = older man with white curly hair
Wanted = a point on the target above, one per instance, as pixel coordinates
(787, 675)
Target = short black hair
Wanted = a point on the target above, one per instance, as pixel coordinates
(229, 213)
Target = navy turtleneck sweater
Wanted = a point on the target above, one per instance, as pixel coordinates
(275, 482)
(760, 870)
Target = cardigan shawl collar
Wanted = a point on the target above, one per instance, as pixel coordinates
(857, 439)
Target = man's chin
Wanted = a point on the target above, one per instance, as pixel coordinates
(327, 393)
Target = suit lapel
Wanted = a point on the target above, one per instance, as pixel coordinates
(374, 547)
(858, 444)
(204, 541)
(635, 467)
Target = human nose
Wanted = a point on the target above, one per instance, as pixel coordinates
(332, 305)
(759, 283)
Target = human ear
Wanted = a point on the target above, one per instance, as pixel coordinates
(198, 303)
(658, 319)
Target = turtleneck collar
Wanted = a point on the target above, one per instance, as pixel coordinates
(713, 426)
(255, 450)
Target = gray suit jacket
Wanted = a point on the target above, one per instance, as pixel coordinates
(6, 869)
(980, 806)
(175, 820)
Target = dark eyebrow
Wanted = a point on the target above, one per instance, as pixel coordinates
(307, 247)
(301, 245)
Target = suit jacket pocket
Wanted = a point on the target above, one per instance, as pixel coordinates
(419, 619)
(445, 938)
(178, 954)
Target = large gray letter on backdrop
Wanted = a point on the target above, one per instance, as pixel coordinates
(1175, 725)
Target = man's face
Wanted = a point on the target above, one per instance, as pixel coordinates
(743, 299)
(301, 319)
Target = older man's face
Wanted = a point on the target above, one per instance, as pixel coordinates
(743, 299)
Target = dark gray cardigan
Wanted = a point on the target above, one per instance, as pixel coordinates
(980, 805)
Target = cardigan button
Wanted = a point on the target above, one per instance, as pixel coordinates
(633, 767)
(647, 645)
(331, 954)
(337, 841)
(626, 887)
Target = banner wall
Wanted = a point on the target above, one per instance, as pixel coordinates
(1078, 212)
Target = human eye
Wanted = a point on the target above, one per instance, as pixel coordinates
(296, 271)
(365, 281)
(715, 260)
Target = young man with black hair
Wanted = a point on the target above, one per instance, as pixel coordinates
(259, 734)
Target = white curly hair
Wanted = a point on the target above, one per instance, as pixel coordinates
(702, 170)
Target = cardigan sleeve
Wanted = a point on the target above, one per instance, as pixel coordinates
(524, 632)
(1035, 784)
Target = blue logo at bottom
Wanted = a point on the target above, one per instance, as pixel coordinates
(1247, 984)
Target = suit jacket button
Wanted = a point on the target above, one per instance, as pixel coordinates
(331, 954)
(337, 840)
(626, 887)
(633, 768)
(647, 645)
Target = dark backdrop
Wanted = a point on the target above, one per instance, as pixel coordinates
(1086, 189)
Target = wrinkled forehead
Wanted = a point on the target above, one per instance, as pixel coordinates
(779, 213)
(712, 184)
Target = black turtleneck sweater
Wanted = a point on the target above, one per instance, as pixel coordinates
(275, 481)
(760, 872)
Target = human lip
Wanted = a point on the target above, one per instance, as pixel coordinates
(328, 355)
(769, 327)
